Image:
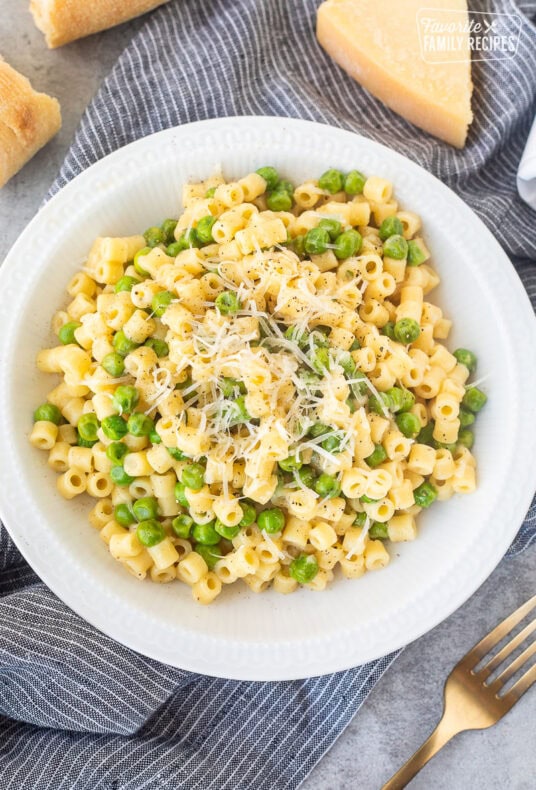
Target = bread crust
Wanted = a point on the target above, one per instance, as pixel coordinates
(28, 120)
(63, 21)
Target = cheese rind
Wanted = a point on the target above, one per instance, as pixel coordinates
(27, 121)
(377, 43)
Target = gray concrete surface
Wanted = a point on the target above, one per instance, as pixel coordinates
(405, 705)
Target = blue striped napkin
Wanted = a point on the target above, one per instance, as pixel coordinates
(78, 710)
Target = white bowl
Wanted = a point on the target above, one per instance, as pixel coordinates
(268, 636)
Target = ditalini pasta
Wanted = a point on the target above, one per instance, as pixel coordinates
(259, 390)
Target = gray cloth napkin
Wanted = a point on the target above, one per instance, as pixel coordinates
(79, 711)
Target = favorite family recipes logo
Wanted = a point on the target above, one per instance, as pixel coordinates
(448, 36)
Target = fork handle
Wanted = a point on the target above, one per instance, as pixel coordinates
(440, 736)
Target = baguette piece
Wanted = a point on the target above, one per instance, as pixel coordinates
(63, 21)
(27, 121)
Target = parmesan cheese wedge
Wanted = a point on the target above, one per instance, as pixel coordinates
(383, 44)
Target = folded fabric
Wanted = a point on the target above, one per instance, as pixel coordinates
(80, 711)
(526, 175)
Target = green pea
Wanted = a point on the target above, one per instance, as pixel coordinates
(332, 444)
(66, 333)
(347, 244)
(378, 531)
(425, 494)
(395, 247)
(125, 398)
(177, 454)
(160, 347)
(270, 175)
(391, 226)
(379, 404)
(347, 363)
(47, 412)
(190, 238)
(377, 457)
(466, 418)
(318, 429)
(137, 265)
(150, 532)
(125, 283)
(466, 438)
(279, 200)
(354, 182)
(205, 534)
(114, 427)
(271, 521)
(298, 245)
(236, 411)
(88, 425)
(444, 446)
(210, 192)
(474, 399)
(204, 229)
(168, 230)
(120, 477)
(116, 452)
(320, 360)
(408, 424)
(304, 568)
(114, 364)
(426, 434)
(298, 336)
(226, 532)
(249, 514)
(228, 303)
(360, 519)
(286, 186)
(123, 515)
(180, 494)
(160, 302)
(316, 241)
(122, 344)
(232, 387)
(145, 508)
(389, 330)
(332, 181)
(306, 476)
(176, 247)
(327, 486)
(140, 424)
(400, 399)
(291, 463)
(154, 437)
(332, 226)
(154, 236)
(416, 254)
(85, 442)
(466, 358)
(193, 476)
(182, 526)
(407, 330)
(211, 554)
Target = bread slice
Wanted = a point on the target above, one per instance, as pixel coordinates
(27, 121)
(63, 21)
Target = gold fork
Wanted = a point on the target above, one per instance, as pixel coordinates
(470, 703)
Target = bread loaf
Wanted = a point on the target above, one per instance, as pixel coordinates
(63, 21)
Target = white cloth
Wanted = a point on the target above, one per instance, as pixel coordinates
(526, 174)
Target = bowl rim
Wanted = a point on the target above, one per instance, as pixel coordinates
(525, 327)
